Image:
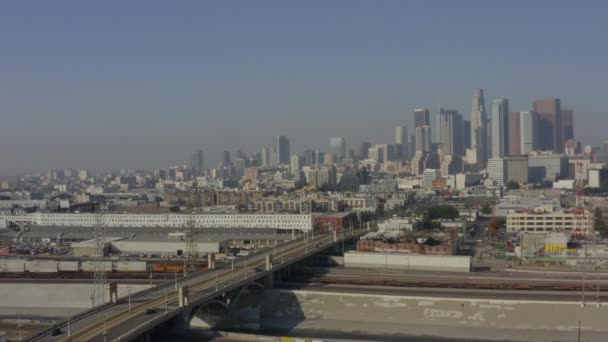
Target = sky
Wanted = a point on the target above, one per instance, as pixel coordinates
(142, 84)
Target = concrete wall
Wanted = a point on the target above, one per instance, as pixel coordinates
(409, 262)
(394, 316)
(53, 295)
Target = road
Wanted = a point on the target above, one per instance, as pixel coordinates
(160, 304)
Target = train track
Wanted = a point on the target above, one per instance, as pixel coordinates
(375, 278)
(170, 297)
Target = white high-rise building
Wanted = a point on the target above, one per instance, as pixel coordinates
(337, 147)
(500, 128)
(423, 139)
(479, 131)
(527, 128)
(496, 171)
(401, 142)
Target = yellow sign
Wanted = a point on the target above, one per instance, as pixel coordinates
(555, 248)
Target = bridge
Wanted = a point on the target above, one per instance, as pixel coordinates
(176, 303)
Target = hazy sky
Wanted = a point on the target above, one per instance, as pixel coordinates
(137, 84)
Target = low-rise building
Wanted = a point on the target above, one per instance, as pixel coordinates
(543, 221)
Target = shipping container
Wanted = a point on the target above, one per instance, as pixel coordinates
(130, 266)
(67, 266)
(12, 266)
(41, 266)
(89, 266)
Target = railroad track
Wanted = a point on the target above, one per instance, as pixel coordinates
(170, 297)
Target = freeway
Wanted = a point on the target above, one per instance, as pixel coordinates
(128, 318)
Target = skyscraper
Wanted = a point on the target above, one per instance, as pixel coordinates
(422, 117)
(266, 155)
(568, 123)
(514, 133)
(337, 147)
(550, 124)
(226, 158)
(500, 127)
(450, 133)
(196, 161)
(282, 149)
(423, 139)
(362, 151)
(466, 127)
(528, 126)
(479, 130)
(401, 142)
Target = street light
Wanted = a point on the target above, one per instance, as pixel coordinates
(69, 329)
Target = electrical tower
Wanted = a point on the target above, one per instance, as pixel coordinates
(579, 210)
(99, 278)
(191, 248)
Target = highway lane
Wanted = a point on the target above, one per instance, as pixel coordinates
(111, 316)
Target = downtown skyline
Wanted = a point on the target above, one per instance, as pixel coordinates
(142, 95)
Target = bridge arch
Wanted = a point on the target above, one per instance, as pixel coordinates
(243, 289)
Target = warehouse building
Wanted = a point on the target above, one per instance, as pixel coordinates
(542, 221)
(276, 221)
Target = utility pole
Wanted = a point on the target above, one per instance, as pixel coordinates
(20, 327)
(99, 277)
(191, 247)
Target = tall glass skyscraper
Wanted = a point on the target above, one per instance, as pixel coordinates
(500, 128)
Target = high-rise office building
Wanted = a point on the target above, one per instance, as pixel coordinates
(266, 155)
(401, 142)
(423, 139)
(528, 128)
(450, 132)
(282, 149)
(225, 158)
(500, 127)
(362, 151)
(479, 130)
(466, 127)
(337, 147)
(550, 124)
(422, 117)
(568, 123)
(514, 133)
(196, 160)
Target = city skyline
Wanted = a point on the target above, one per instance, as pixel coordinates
(141, 95)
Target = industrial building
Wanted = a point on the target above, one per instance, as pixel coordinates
(276, 221)
(540, 220)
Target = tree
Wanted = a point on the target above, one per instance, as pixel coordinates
(495, 224)
(599, 224)
(441, 212)
(513, 185)
(486, 209)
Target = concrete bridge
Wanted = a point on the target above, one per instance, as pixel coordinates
(176, 304)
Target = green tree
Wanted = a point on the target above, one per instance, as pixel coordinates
(513, 185)
(599, 224)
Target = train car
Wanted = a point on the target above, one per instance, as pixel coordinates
(173, 268)
(168, 268)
